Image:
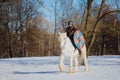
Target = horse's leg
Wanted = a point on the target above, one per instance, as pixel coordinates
(85, 58)
(71, 65)
(76, 64)
(61, 64)
(86, 63)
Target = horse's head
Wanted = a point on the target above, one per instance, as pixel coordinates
(63, 39)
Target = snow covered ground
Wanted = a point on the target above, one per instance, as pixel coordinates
(46, 68)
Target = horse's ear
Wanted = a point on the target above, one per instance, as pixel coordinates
(59, 33)
(66, 33)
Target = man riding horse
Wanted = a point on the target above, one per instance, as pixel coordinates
(70, 33)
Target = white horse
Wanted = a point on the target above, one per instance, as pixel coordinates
(68, 50)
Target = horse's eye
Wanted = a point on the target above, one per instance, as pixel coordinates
(64, 38)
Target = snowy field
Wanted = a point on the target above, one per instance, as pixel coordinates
(46, 68)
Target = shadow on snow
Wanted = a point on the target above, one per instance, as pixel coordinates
(42, 72)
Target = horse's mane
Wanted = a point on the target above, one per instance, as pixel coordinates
(67, 40)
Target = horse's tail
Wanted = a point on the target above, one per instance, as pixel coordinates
(80, 60)
(82, 55)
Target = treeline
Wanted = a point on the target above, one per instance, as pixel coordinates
(25, 31)
(20, 35)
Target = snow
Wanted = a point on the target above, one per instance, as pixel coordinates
(46, 68)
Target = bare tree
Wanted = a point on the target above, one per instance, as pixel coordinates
(88, 16)
(95, 26)
(53, 8)
(66, 11)
(14, 19)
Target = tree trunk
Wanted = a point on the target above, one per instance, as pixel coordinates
(55, 30)
(95, 27)
(102, 44)
(10, 52)
(88, 16)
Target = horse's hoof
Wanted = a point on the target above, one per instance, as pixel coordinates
(86, 70)
(75, 71)
(62, 69)
(72, 71)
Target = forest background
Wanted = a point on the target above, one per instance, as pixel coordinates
(30, 27)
